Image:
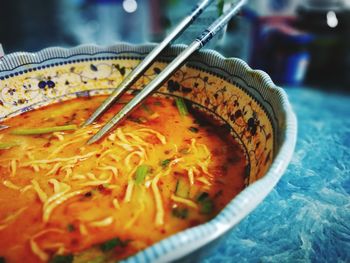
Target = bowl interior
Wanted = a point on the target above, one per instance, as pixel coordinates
(231, 99)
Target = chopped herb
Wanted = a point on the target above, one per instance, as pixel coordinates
(193, 129)
(181, 106)
(99, 259)
(139, 120)
(5, 146)
(202, 197)
(181, 213)
(36, 131)
(141, 173)
(165, 163)
(207, 207)
(110, 244)
(182, 188)
(62, 259)
(158, 103)
(147, 109)
(135, 92)
(70, 228)
(206, 204)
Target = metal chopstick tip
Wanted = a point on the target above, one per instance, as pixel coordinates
(92, 140)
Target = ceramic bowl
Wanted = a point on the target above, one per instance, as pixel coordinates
(246, 100)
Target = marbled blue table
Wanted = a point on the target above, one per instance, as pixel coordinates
(306, 218)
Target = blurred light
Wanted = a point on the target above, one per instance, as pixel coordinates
(332, 19)
(130, 6)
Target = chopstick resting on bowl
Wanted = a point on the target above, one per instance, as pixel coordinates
(147, 62)
(197, 44)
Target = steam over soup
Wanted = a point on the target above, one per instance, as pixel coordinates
(159, 172)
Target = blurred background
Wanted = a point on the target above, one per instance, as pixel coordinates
(298, 42)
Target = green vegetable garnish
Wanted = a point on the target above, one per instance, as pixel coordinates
(100, 259)
(139, 120)
(37, 131)
(141, 173)
(193, 129)
(5, 146)
(110, 244)
(70, 228)
(181, 213)
(202, 197)
(147, 109)
(207, 207)
(165, 163)
(206, 204)
(182, 188)
(181, 106)
(62, 259)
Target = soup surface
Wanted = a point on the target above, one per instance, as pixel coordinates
(159, 172)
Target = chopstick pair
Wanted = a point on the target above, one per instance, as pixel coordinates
(197, 44)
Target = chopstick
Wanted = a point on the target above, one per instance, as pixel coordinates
(197, 44)
(147, 61)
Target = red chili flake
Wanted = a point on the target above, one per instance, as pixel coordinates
(103, 190)
(48, 144)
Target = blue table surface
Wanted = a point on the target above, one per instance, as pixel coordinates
(306, 218)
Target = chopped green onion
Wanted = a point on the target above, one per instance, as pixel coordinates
(139, 120)
(141, 173)
(147, 109)
(110, 244)
(206, 204)
(62, 259)
(165, 163)
(207, 207)
(8, 145)
(182, 188)
(181, 213)
(37, 131)
(99, 259)
(193, 129)
(202, 197)
(70, 228)
(181, 106)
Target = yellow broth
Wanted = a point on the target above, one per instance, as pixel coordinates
(157, 173)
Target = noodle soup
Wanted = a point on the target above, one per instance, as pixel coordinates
(166, 168)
